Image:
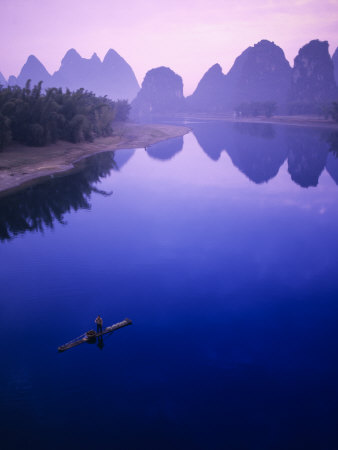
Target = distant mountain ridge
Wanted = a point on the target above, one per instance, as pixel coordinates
(34, 70)
(260, 74)
(112, 77)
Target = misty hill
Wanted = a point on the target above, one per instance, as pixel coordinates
(118, 76)
(313, 74)
(76, 72)
(112, 77)
(335, 65)
(210, 92)
(12, 81)
(161, 93)
(3, 81)
(261, 73)
(34, 70)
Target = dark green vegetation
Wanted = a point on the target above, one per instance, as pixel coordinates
(35, 118)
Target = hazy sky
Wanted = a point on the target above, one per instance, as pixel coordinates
(188, 36)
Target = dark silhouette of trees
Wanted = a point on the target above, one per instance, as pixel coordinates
(323, 109)
(254, 109)
(40, 206)
(122, 110)
(34, 118)
(334, 111)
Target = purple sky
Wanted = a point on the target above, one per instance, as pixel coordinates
(188, 36)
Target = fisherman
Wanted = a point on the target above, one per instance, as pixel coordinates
(99, 323)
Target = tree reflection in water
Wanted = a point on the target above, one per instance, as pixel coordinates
(38, 207)
(257, 150)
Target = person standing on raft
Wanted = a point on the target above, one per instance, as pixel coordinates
(99, 323)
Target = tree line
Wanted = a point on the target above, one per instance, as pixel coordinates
(268, 109)
(254, 109)
(324, 109)
(36, 118)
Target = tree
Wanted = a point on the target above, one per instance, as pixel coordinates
(269, 108)
(254, 109)
(29, 116)
(5, 131)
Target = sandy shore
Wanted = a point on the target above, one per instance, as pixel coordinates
(300, 121)
(21, 166)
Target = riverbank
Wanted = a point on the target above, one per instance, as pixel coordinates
(21, 166)
(300, 121)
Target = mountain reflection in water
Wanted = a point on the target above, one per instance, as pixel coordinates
(166, 149)
(257, 150)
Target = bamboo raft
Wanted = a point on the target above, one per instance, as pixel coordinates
(90, 336)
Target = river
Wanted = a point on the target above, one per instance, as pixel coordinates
(222, 248)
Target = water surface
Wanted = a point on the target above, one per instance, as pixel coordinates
(222, 248)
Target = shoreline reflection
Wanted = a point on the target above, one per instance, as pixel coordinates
(256, 150)
(39, 206)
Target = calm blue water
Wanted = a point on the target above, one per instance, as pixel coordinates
(222, 248)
